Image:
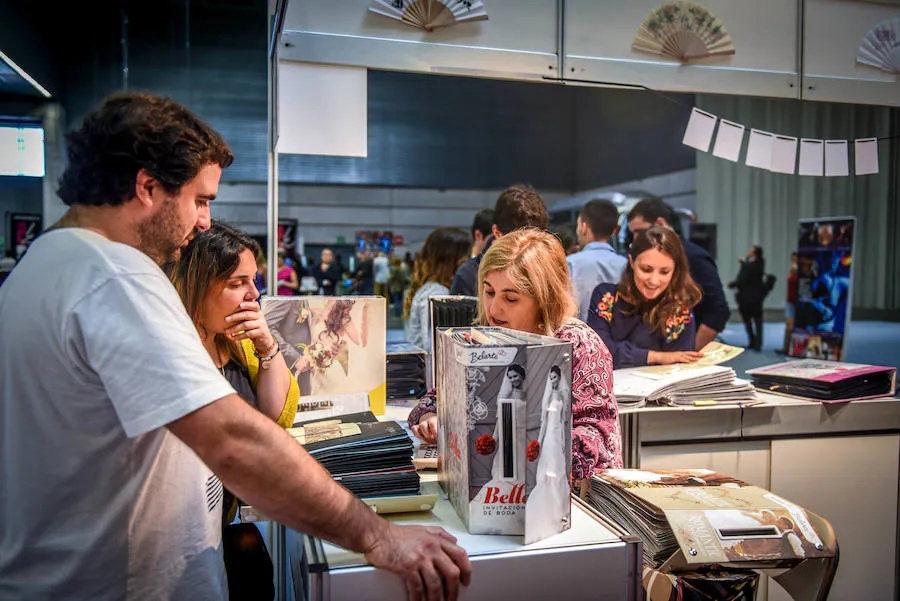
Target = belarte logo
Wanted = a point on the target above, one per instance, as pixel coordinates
(486, 356)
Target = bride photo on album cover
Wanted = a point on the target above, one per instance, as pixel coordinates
(548, 502)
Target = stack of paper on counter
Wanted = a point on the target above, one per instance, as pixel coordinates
(680, 384)
(369, 457)
(826, 381)
(710, 517)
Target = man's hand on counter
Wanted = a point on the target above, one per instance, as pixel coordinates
(427, 558)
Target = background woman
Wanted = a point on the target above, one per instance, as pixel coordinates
(524, 285)
(750, 291)
(214, 278)
(444, 250)
(647, 318)
(288, 283)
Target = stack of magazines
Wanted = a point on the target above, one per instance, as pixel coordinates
(709, 517)
(826, 381)
(368, 457)
(681, 384)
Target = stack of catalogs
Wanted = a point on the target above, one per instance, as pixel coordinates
(708, 518)
(638, 517)
(826, 381)
(368, 457)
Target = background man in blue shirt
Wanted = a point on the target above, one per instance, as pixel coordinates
(597, 263)
(712, 312)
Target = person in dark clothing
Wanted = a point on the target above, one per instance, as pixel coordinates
(750, 291)
(517, 207)
(482, 229)
(327, 273)
(712, 312)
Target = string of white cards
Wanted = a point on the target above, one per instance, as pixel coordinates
(777, 153)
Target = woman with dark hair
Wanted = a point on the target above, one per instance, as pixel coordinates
(444, 251)
(214, 278)
(646, 318)
(750, 291)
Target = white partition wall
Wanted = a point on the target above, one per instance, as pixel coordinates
(599, 34)
(517, 41)
(831, 38)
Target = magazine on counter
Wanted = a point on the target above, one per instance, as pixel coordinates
(712, 518)
(826, 381)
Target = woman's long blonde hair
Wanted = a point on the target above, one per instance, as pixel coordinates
(536, 263)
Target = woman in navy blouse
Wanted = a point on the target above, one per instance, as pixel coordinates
(647, 318)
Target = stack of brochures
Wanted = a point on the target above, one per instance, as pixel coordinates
(708, 517)
(368, 457)
(826, 381)
(681, 384)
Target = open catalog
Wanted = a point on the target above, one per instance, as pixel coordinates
(681, 384)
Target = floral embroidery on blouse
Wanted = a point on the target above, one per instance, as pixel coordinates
(676, 323)
(605, 306)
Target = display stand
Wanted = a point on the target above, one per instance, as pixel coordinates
(806, 451)
(593, 560)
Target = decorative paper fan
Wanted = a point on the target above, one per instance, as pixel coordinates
(683, 30)
(428, 14)
(881, 47)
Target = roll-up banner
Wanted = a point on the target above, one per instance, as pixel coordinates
(824, 293)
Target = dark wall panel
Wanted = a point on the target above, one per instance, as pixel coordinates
(629, 134)
(454, 132)
(209, 56)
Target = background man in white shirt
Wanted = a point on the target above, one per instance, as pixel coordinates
(597, 263)
(115, 426)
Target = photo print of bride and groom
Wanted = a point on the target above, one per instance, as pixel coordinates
(334, 346)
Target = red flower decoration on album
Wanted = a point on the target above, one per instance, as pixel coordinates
(485, 444)
(532, 450)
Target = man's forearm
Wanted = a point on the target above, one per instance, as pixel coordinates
(705, 335)
(265, 467)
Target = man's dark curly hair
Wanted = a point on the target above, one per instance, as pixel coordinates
(130, 132)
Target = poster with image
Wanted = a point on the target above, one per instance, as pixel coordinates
(23, 229)
(821, 309)
(332, 345)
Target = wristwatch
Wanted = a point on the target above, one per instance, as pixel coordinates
(264, 361)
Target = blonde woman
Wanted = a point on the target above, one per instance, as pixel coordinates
(523, 284)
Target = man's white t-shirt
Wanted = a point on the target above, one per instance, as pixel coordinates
(98, 500)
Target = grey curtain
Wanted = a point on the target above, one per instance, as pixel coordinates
(752, 206)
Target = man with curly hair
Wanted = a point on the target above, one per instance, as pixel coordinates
(111, 409)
